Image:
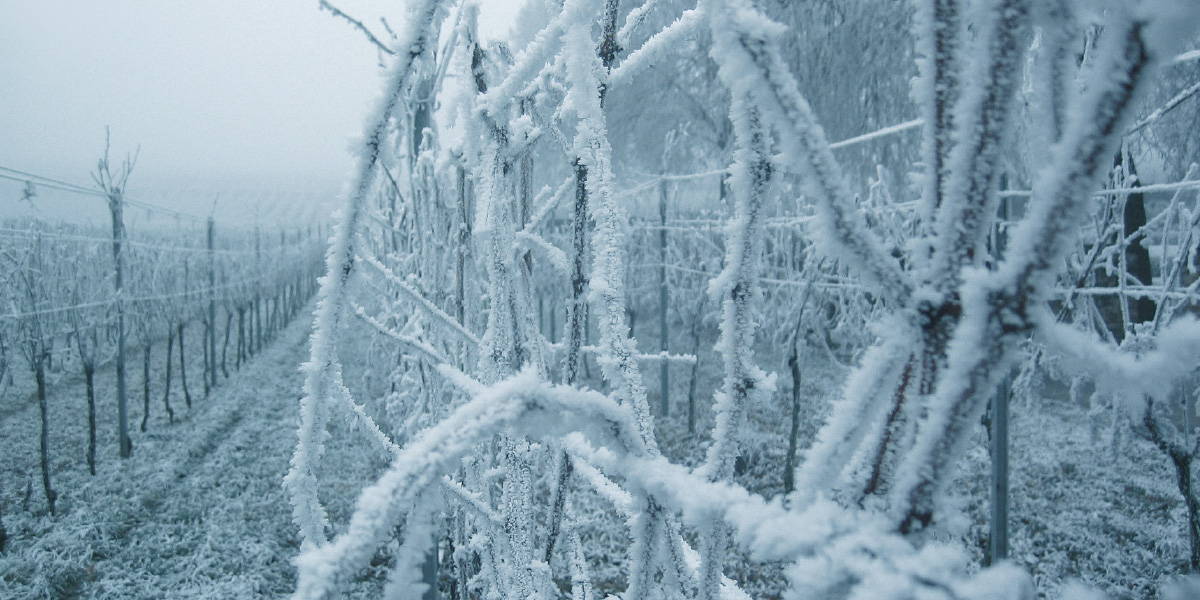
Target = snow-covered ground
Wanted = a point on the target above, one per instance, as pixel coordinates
(198, 510)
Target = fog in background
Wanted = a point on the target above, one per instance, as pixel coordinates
(252, 105)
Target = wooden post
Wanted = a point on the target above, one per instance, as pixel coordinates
(575, 329)
(663, 373)
(429, 575)
(212, 305)
(187, 395)
(116, 207)
(789, 461)
(255, 314)
(998, 540)
(998, 537)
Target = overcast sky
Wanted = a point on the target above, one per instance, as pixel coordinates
(245, 98)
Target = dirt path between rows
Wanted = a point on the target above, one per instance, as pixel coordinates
(198, 512)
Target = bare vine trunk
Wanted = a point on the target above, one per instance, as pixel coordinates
(241, 340)
(167, 383)
(187, 395)
(1182, 462)
(206, 363)
(145, 385)
(789, 463)
(691, 402)
(39, 373)
(225, 343)
(89, 381)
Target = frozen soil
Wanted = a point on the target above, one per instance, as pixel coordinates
(198, 511)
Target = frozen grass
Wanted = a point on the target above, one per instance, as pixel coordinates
(197, 512)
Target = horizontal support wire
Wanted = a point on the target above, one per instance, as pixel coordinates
(33, 233)
(1129, 291)
(129, 300)
(12, 174)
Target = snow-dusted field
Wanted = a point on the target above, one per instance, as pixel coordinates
(198, 512)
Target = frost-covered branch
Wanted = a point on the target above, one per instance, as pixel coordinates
(936, 25)
(415, 295)
(472, 500)
(634, 20)
(546, 205)
(965, 202)
(749, 180)
(1051, 67)
(860, 404)
(745, 42)
(556, 257)
(527, 66)
(645, 357)
(1154, 374)
(425, 350)
(666, 40)
(829, 547)
(523, 401)
(998, 306)
(323, 369)
(607, 281)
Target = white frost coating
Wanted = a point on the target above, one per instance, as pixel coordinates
(633, 21)
(524, 402)
(438, 314)
(936, 26)
(582, 69)
(1152, 374)
(460, 380)
(322, 371)
(878, 133)
(510, 340)
(747, 44)
(405, 580)
(997, 305)
(581, 579)
(729, 588)
(750, 178)
(608, 263)
(428, 352)
(1003, 581)
(546, 208)
(865, 394)
(617, 360)
(981, 122)
(605, 487)
(532, 60)
(858, 553)
(642, 356)
(1050, 63)
(507, 342)
(978, 356)
(666, 40)
(361, 419)
(473, 501)
(552, 253)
